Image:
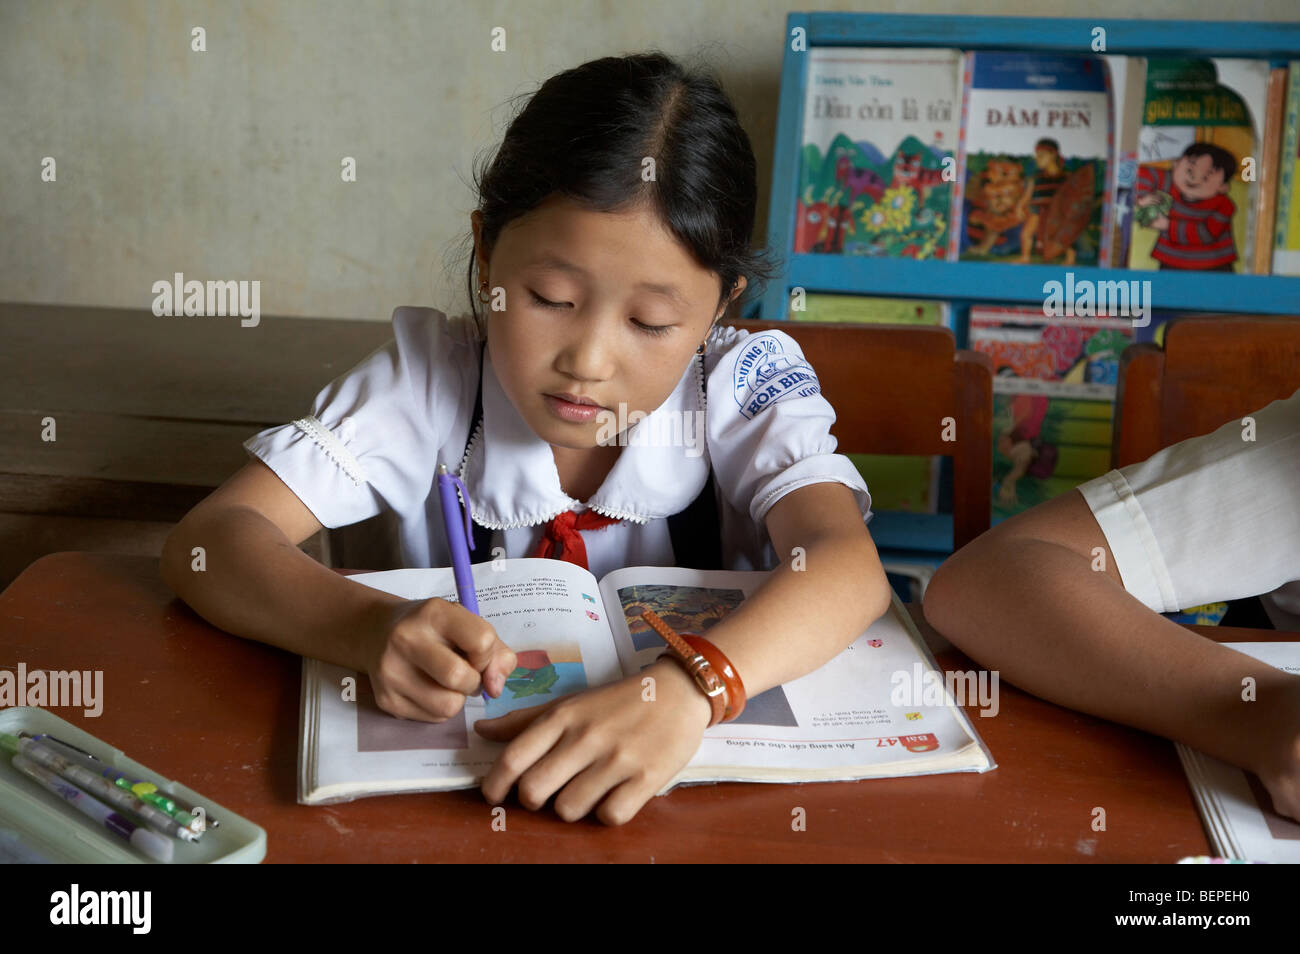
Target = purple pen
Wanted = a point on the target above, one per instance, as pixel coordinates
(460, 538)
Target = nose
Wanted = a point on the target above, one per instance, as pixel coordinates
(587, 354)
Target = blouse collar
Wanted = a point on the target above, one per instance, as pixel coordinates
(512, 479)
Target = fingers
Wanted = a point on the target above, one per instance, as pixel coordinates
(580, 765)
(425, 681)
(473, 636)
(524, 753)
(617, 779)
(503, 728)
(436, 705)
(437, 663)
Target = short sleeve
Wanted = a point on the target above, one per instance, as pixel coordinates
(768, 425)
(371, 438)
(1212, 518)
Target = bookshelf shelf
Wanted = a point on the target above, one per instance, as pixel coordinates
(1023, 284)
(1052, 34)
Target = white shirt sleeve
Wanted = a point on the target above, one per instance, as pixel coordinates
(768, 425)
(372, 436)
(1212, 518)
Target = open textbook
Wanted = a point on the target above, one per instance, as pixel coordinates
(1235, 807)
(571, 632)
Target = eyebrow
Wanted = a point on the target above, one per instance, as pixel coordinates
(555, 263)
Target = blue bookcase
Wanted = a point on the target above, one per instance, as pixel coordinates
(964, 283)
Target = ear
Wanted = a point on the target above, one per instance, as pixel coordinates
(741, 282)
(483, 255)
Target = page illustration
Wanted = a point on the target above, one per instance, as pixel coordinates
(540, 676)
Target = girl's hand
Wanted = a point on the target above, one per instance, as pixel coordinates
(425, 656)
(607, 741)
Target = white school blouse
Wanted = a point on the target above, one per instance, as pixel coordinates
(376, 435)
(1212, 518)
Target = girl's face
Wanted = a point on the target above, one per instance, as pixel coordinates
(606, 306)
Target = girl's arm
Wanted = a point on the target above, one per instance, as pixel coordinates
(423, 656)
(801, 618)
(256, 583)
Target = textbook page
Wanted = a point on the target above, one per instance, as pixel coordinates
(870, 711)
(1235, 807)
(548, 611)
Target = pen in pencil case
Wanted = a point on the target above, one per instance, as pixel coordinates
(145, 789)
(102, 788)
(142, 839)
(180, 809)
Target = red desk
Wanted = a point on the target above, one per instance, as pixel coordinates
(220, 714)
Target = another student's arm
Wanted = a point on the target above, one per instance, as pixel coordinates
(1039, 598)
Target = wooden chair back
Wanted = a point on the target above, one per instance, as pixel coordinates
(906, 389)
(1211, 370)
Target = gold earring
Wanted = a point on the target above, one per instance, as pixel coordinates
(482, 289)
(704, 344)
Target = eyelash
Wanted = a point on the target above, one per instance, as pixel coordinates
(654, 330)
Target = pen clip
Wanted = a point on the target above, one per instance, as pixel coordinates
(464, 495)
(67, 745)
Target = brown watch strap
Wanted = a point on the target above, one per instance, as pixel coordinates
(710, 682)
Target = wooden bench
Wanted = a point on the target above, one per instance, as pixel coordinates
(148, 415)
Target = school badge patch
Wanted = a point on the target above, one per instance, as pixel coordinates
(765, 374)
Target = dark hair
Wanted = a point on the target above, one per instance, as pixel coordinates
(584, 133)
(1222, 160)
(1051, 144)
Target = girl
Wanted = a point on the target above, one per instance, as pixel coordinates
(612, 232)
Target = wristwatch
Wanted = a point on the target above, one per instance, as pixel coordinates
(700, 669)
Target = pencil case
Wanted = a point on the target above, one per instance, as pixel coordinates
(37, 825)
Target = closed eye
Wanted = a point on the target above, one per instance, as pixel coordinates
(538, 299)
(656, 330)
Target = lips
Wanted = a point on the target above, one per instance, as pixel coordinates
(574, 399)
(567, 409)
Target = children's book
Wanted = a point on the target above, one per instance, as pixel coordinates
(908, 483)
(1037, 137)
(1270, 161)
(877, 709)
(877, 162)
(1053, 400)
(1286, 245)
(1128, 76)
(871, 310)
(1235, 806)
(1200, 151)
